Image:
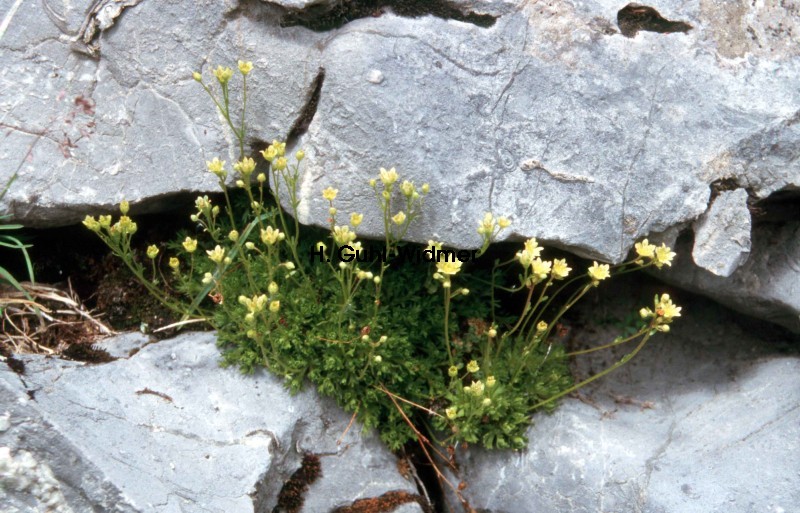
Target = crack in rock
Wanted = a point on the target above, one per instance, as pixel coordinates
(634, 17)
(323, 18)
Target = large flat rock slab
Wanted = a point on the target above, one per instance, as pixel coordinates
(168, 430)
(589, 124)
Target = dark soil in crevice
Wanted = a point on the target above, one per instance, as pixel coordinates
(73, 258)
(322, 18)
(635, 17)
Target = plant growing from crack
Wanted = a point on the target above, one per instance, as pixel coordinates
(419, 350)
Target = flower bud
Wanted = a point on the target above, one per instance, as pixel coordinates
(152, 252)
(124, 207)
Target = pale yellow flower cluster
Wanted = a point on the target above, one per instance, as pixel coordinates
(254, 305)
(473, 366)
(190, 245)
(598, 272)
(665, 310)
(270, 235)
(490, 226)
(476, 388)
(530, 252)
(342, 235)
(388, 177)
(123, 227)
(217, 167)
(660, 255)
(274, 152)
(216, 255)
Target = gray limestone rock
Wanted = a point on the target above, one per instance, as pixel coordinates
(168, 430)
(705, 420)
(722, 234)
(585, 138)
(767, 285)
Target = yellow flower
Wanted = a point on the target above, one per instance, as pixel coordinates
(223, 74)
(202, 203)
(667, 309)
(270, 235)
(279, 164)
(126, 226)
(490, 381)
(275, 306)
(473, 366)
(255, 304)
(399, 218)
(217, 167)
(492, 332)
(486, 227)
(207, 278)
(355, 219)
(560, 269)
(152, 251)
(388, 177)
(503, 222)
(599, 272)
(105, 221)
(300, 155)
(269, 154)
(448, 268)
(476, 388)
(451, 412)
(245, 67)
(261, 178)
(233, 235)
(541, 327)
(407, 188)
(280, 147)
(664, 256)
(530, 251)
(190, 245)
(174, 263)
(91, 223)
(541, 268)
(645, 249)
(425, 188)
(216, 255)
(197, 76)
(330, 193)
(452, 371)
(342, 235)
(124, 207)
(245, 166)
(487, 402)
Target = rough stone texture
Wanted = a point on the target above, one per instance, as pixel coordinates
(168, 430)
(767, 285)
(705, 420)
(722, 234)
(586, 138)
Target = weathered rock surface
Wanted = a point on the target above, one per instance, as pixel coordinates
(586, 138)
(722, 234)
(168, 430)
(705, 419)
(767, 285)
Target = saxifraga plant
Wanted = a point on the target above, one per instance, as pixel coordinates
(404, 337)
